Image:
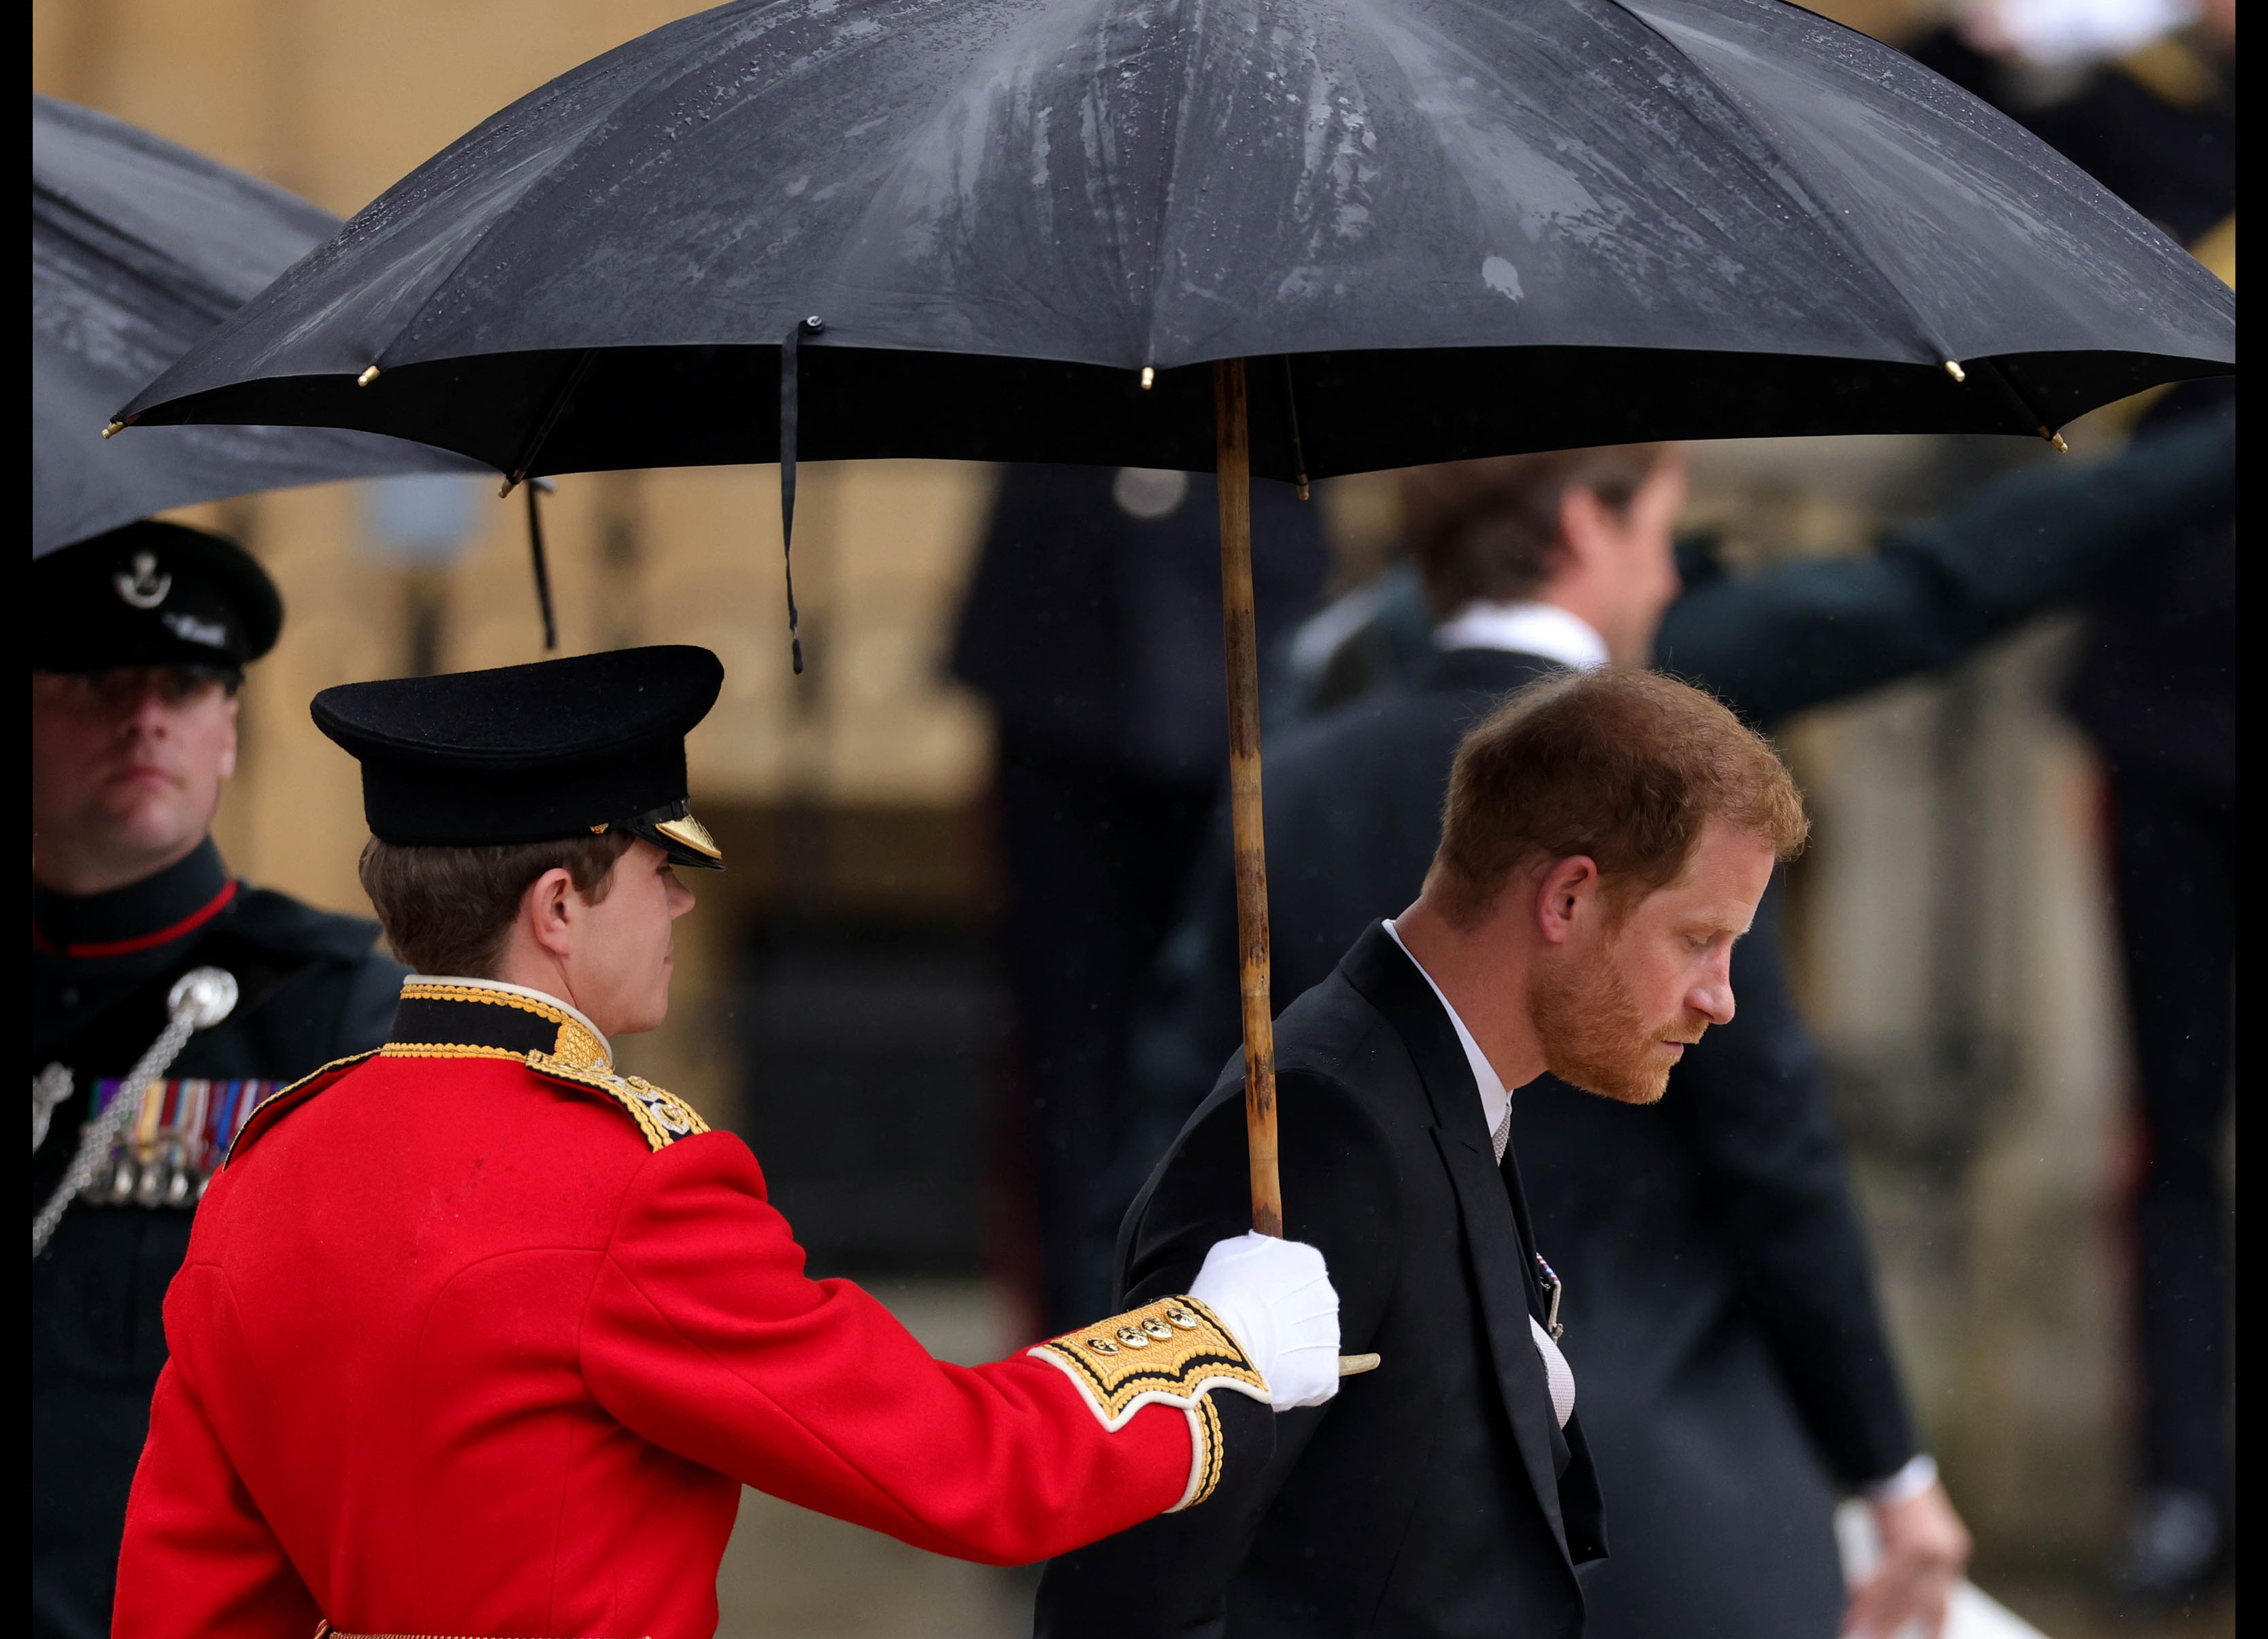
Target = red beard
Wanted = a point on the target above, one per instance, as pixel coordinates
(1594, 1037)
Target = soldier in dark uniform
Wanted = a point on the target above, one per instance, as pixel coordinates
(139, 641)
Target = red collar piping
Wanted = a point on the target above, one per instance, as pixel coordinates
(188, 924)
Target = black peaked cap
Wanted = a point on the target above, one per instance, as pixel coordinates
(152, 594)
(523, 753)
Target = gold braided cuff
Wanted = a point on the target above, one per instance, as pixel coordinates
(1173, 1352)
(1207, 1453)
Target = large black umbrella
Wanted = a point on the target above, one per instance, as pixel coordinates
(138, 249)
(1059, 229)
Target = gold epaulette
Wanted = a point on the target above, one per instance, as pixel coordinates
(283, 1100)
(662, 1116)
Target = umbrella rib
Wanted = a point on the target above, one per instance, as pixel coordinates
(617, 117)
(1183, 102)
(1804, 192)
(545, 180)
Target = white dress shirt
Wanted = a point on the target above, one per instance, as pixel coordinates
(1543, 629)
(1496, 1102)
(1495, 1109)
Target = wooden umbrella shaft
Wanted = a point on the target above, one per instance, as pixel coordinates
(1232, 429)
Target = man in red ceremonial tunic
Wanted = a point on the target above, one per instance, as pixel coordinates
(476, 1335)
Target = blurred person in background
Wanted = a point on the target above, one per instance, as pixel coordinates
(2142, 95)
(1092, 626)
(139, 640)
(2156, 690)
(1719, 1299)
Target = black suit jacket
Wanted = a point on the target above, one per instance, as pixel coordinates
(1436, 1496)
(1729, 1360)
(1354, 808)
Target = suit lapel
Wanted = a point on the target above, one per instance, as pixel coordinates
(1493, 1214)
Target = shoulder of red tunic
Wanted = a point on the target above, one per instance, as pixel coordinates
(284, 1100)
(660, 1116)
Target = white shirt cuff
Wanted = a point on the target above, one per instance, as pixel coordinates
(1917, 1476)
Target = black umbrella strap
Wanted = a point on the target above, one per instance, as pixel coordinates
(542, 571)
(790, 370)
(570, 380)
(1292, 426)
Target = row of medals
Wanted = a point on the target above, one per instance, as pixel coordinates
(161, 1176)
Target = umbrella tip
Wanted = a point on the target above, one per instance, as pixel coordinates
(2056, 438)
(1149, 378)
(113, 429)
(1953, 368)
(369, 375)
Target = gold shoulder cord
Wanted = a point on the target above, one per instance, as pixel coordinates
(1171, 1352)
(661, 1115)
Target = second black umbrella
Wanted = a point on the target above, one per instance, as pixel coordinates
(139, 249)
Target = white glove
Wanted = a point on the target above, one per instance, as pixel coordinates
(1275, 1298)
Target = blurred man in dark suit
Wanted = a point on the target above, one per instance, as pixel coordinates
(1720, 1305)
(1093, 628)
(2156, 690)
(2153, 119)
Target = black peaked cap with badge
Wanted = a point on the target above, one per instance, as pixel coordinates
(152, 594)
(560, 748)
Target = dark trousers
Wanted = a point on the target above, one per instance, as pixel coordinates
(2174, 854)
(1096, 857)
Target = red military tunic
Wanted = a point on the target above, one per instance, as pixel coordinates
(475, 1337)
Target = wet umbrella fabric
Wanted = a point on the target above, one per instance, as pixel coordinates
(138, 249)
(1471, 229)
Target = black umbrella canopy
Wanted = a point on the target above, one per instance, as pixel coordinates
(138, 249)
(1070, 230)
(1471, 228)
